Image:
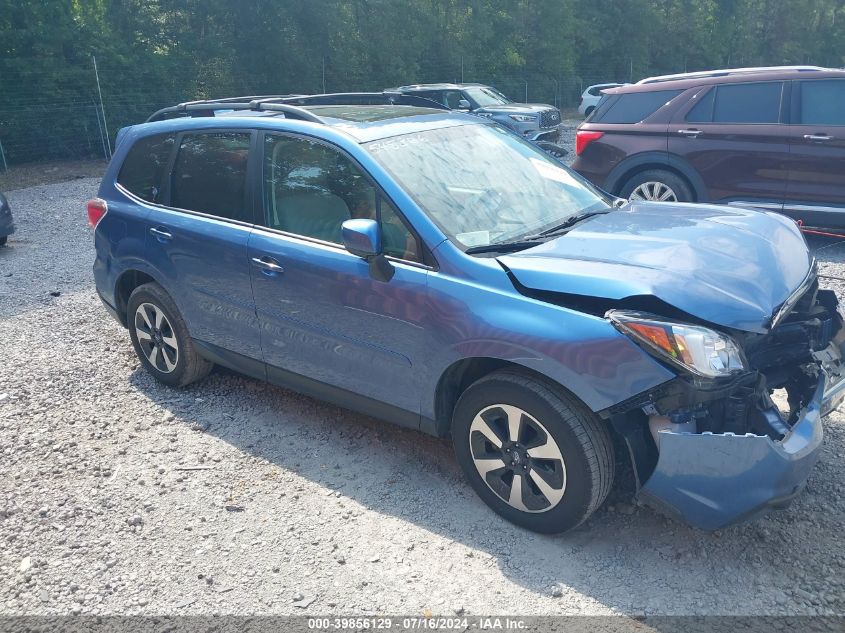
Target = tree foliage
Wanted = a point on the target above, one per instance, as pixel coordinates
(153, 52)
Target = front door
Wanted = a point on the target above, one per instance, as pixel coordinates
(733, 137)
(328, 327)
(816, 190)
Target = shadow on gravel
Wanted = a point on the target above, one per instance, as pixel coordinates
(623, 557)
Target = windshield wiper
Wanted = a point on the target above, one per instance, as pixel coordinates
(533, 239)
(504, 247)
(566, 224)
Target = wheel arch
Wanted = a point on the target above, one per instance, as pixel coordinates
(458, 376)
(125, 284)
(633, 165)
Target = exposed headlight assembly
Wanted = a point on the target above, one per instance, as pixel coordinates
(700, 350)
(522, 118)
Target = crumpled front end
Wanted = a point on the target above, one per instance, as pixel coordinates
(714, 452)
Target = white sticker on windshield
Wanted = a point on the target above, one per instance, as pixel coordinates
(474, 238)
(553, 172)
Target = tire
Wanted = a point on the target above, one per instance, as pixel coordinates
(589, 111)
(577, 463)
(3, 240)
(161, 338)
(659, 181)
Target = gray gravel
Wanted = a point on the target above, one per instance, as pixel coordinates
(118, 495)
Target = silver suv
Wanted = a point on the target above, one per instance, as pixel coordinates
(538, 122)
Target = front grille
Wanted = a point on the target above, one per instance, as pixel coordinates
(549, 118)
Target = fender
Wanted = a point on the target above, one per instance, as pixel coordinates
(656, 160)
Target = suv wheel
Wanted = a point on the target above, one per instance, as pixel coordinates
(589, 111)
(532, 452)
(161, 338)
(657, 185)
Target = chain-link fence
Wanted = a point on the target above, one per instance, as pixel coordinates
(36, 126)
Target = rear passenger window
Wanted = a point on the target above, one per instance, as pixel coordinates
(310, 189)
(636, 106)
(210, 174)
(823, 102)
(143, 169)
(748, 103)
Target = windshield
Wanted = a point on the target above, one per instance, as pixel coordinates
(484, 97)
(483, 185)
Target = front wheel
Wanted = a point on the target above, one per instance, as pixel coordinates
(532, 452)
(161, 338)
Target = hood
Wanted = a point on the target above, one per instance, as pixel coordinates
(729, 266)
(518, 108)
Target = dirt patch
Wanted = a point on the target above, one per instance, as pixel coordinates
(32, 174)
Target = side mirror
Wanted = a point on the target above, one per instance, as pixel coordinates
(362, 237)
(463, 104)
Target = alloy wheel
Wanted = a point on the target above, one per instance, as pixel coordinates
(156, 337)
(517, 458)
(654, 191)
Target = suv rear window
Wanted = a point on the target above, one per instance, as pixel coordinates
(143, 168)
(210, 174)
(739, 103)
(822, 102)
(636, 106)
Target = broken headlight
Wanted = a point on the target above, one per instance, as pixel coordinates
(698, 349)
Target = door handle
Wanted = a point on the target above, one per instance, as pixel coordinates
(268, 266)
(161, 234)
(689, 133)
(818, 137)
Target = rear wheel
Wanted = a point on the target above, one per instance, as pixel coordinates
(3, 240)
(657, 185)
(161, 338)
(589, 111)
(532, 452)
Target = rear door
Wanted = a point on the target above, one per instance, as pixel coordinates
(733, 135)
(816, 190)
(197, 240)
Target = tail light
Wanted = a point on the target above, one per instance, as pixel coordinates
(584, 138)
(97, 209)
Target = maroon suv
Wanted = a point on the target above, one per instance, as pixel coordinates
(765, 137)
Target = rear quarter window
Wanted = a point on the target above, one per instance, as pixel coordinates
(143, 168)
(635, 106)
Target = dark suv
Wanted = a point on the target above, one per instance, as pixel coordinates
(763, 137)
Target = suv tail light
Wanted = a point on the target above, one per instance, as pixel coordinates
(97, 209)
(584, 138)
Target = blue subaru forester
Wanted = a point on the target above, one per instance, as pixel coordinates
(435, 270)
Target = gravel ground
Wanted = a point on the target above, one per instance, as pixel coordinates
(118, 495)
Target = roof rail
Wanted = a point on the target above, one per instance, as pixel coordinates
(290, 105)
(208, 108)
(727, 72)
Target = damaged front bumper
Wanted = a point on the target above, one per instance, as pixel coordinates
(711, 480)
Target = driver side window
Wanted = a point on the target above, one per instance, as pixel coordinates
(310, 189)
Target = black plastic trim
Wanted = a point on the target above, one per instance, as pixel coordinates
(313, 388)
